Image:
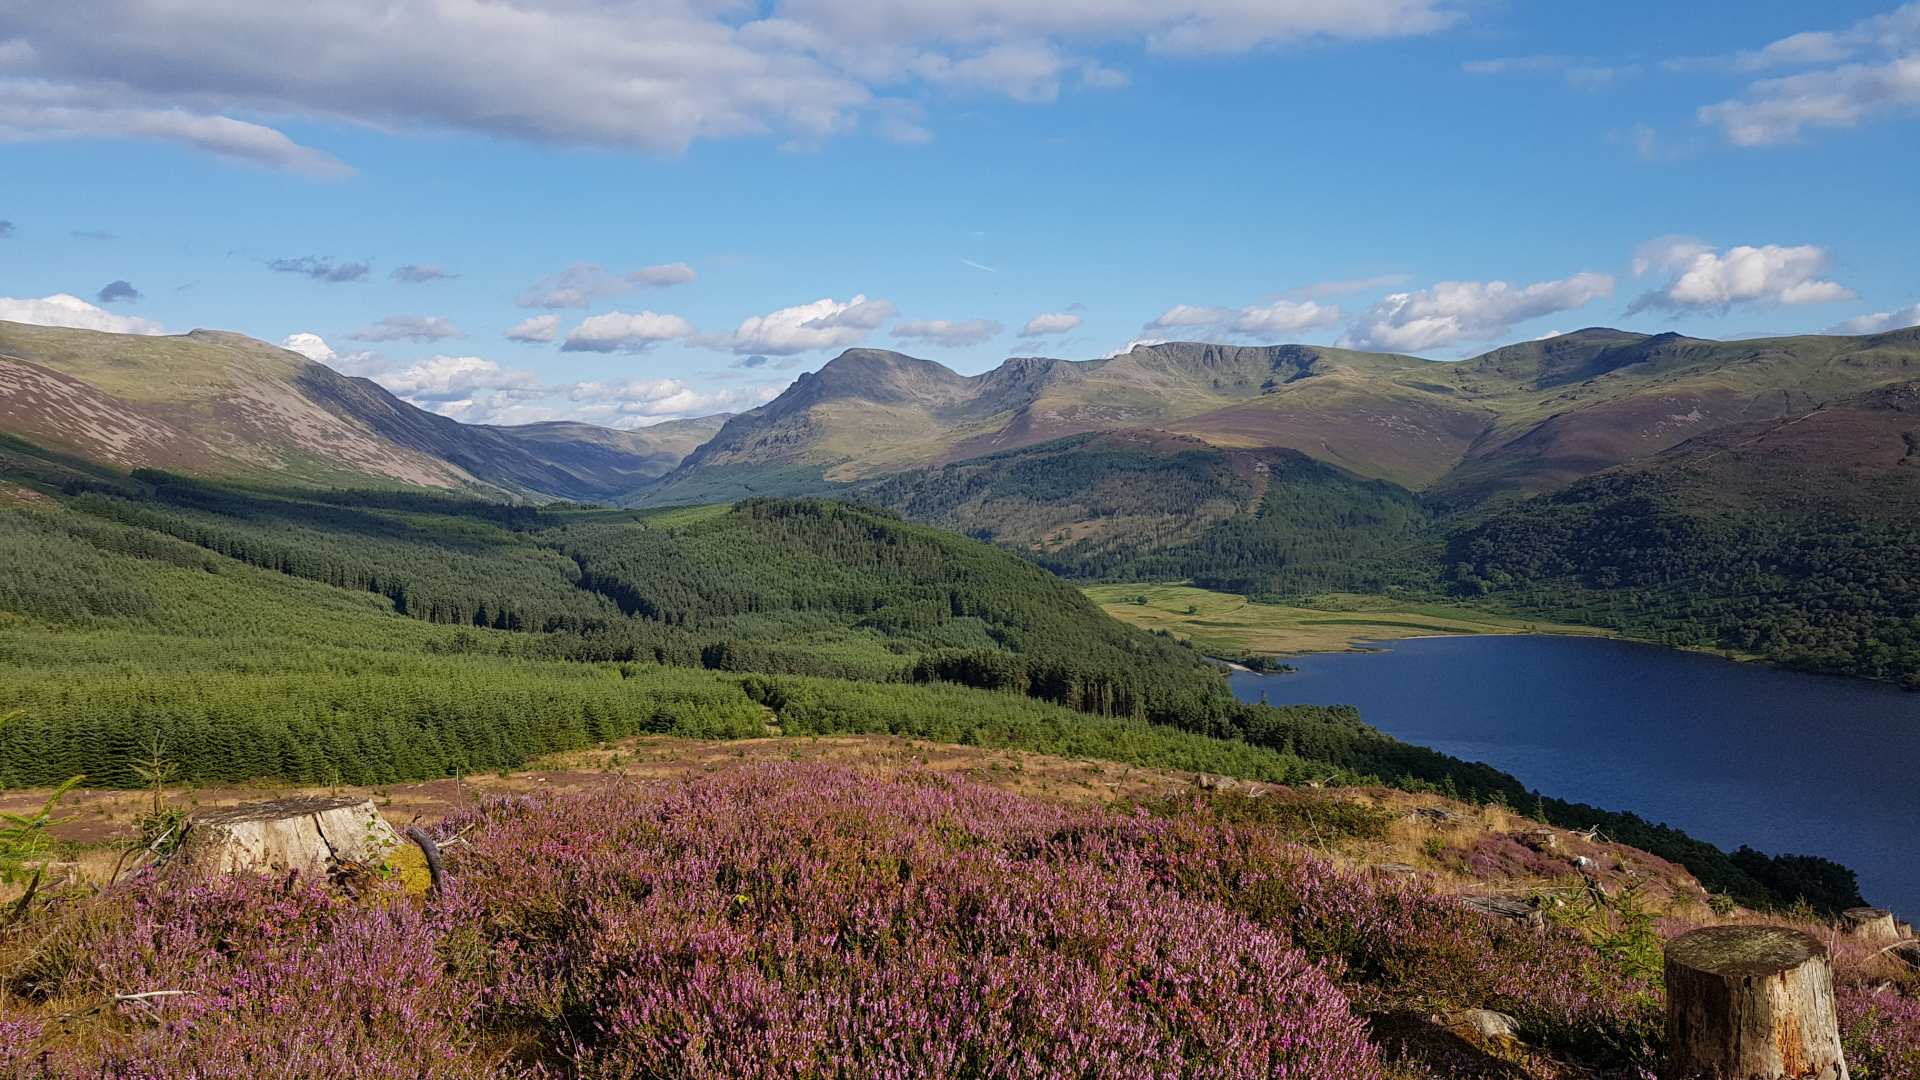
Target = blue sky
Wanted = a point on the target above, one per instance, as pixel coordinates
(681, 206)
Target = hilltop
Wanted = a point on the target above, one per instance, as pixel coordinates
(224, 405)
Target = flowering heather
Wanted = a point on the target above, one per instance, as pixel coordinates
(786, 920)
(1881, 1034)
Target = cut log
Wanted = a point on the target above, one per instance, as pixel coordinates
(1875, 925)
(311, 835)
(1504, 908)
(1751, 1003)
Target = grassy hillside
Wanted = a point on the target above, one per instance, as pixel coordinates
(1143, 506)
(223, 405)
(1236, 627)
(1520, 420)
(369, 637)
(1793, 540)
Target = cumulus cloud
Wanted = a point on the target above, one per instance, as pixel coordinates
(420, 273)
(64, 309)
(445, 379)
(1181, 316)
(408, 328)
(97, 107)
(1880, 321)
(637, 402)
(1283, 317)
(946, 332)
(650, 74)
(1874, 67)
(824, 324)
(1701, 278)
(320, 268)
(534, 329)
(315, 348)
(1454, 311)
(581, 284)
(1052, 322)
(620, 331)
(1268, 320)
(115, 291)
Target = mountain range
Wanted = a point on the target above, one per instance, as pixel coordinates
(1519, 420)
(1758, 495)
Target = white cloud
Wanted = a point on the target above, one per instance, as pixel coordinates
(1881, 74)
(442, 380)
(1187, 315)
(310, 345)
(534, 329)
(31, 110)
(315, 348)
(1777, 110)
(823, 324)
(1702, 278)
(408, 328)
(420, 273)
(949, 333)
(1453, 311)
(1052, 322)
(647, 74)
(1277, 317)
(581, 284)
(1880, 321)
(637, 402)
(620, 331)
(65, 309)
(1283, 317)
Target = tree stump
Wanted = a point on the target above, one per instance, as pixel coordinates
(1876, 925)
(1751, 1003)
(312, 835)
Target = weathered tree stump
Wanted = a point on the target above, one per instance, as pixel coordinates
(312, 835)
(1751, 1003)
(1871, 924)
(1504, 907)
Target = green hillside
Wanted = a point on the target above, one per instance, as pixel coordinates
(368, 637)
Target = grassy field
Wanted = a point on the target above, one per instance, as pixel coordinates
(1229, 625)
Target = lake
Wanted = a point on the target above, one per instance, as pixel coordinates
(1732, 753)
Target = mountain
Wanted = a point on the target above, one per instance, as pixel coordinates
(220, 404)
(1794, 539)
(1519, 420)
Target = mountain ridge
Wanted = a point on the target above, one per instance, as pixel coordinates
(217, 403)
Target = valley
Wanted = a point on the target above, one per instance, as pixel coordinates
(223, 565)
(1236, 628)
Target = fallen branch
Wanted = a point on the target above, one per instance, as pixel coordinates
(432, 851)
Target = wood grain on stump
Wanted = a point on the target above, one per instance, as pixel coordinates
(1751, 1003)
(311, 835)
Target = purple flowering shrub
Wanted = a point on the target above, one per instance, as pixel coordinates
(810, 921)
(1880, 1032)
(765, 921)
(1396, 946)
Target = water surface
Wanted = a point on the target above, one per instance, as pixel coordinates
(1732, 753)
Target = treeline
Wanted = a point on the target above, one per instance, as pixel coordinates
(120, 632)
(1826, 588)
(1106, 508)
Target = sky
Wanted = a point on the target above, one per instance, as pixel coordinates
(626, 211)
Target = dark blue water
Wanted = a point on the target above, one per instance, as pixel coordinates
(1732, 753)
